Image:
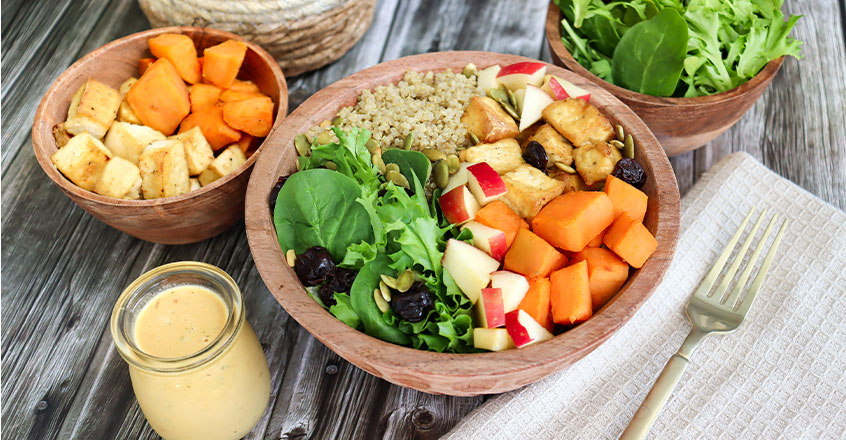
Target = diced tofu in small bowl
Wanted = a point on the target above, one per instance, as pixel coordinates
(132, 145)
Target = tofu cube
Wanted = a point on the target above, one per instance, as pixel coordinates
(198, 152)
(128, 140)
(92, 109)
(121, 179)
(82, 160)
(503, 156)
(208, 176)
(195, 183)
(126, 114)
(486, 119)
(529, 189)
(164, 171)
(125, 86)
(61, 134)
(228, 161)
(581, 123)
(595, 162)
(572, 182)
(556, 146)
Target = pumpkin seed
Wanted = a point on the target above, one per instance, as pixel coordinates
(325, 124)
(406, 144)
(302, 144)
(469, 70)
(389, 281)
(621, 134)
(324, 138)
(509, 109)
(405, 280)
(378, 163)
(628, 149)
(498, 95)
(474, 138)
(330, 165)
(337, 121)
(372, 145)
(397, 179)
(453, 164)
(433, 154)
(385, 294)
(381, 304)
(511, 98)
(440, 173)
(291, 257)
(565, 168)
(391, 167)
(619, 145)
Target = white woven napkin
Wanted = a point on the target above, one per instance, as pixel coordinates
(781, 375)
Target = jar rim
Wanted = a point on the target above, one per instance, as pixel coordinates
(137, 357)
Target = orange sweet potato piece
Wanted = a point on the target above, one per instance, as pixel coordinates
(630, 240)
(221, 63)
(498, 215)
(569, 294)
(597, 241)
(244, 86)
(625, 198)
(230, 95)
(536, 302)
(200, 61)
(203, 96)
(253, 116)
(573, 219)
(159, 98)
(214, 128)
(180, 51)
(144, 63)
(530, 256)
(606, 273)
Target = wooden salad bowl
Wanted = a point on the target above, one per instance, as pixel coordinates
(680, 124)
(186, 218)
(442, 373)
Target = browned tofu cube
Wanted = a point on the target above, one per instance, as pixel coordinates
(82, 160)
(486, 119)
(164, 172)
(581, 123)
(595, 162)
(198, 152)
(227, 162)
(93, 109)
(128, 140)
(60, 134)
(121, 179)
(503, 156)
(556, 146)
(529, 189)
(572, 182)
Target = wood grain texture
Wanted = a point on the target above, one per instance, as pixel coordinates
(56, 272)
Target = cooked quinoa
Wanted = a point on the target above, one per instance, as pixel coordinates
(428, 104)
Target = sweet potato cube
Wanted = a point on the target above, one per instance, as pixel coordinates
(203, 96)
(531, 256)
(248, 143)
(159, 98)
(606, 273)
(569, 294)
(597, 241)
(625, 198)
(221, 63)
(253, 116)
(216, 131)
(180, 51)
(498, 215)
(536, 302)
(144, 63)
(630, 240)
(238, 95)
(244, 86)
(486, 119)
(572, 220)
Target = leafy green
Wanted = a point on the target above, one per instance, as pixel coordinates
(412, 164)
(650, 56)
(343, 310)
(362, 302)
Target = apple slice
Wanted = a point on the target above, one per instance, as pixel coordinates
(559, 88)
(533, 104)
(484, 183)
(514, 287)
(459, 205)
(523, 329)
(469, 267)
(516, 76)
(493, 339)
(486, 78)
(521, 96)
(457, 179)
(489, 308)
(488, 239)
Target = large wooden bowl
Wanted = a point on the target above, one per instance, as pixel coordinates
(455, 374)
(680, 124)
(187, 218)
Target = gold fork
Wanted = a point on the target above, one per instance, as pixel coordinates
(710, 313)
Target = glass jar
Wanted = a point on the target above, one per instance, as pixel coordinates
(218, 392)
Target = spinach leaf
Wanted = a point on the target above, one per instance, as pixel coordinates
(650, 56)
(414, 165)
(343, 310)
(318, 208)
(364, 306)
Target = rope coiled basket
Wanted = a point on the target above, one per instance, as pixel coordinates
(302, 35)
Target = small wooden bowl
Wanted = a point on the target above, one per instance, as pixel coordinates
(441, 373)
(680, 124)
(186, 218)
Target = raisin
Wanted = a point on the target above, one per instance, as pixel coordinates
(414, 304)
(536, 156)
(629, 171)
(314, 266)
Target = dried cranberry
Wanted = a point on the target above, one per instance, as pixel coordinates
(314, 266)
(536, 156)
(274, 192)
(414, 304)
(629, 171)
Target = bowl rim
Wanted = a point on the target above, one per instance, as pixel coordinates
(42, 135)
(560, 53)
(383, 358)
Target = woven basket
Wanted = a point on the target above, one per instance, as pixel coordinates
(302, 35)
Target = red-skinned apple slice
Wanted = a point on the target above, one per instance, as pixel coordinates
(459, 205)
(560, 89)
(524, 330)
(533, 104)
(514, 287)
(469, 267)
(493, 339)
(487, 77)
(489, 308)
(457, 179)
(516, 76)
(488, 239)
(484, 183)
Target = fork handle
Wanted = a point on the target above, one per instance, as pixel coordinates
(662, 389)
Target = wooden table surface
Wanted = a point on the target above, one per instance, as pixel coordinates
(63, 271)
